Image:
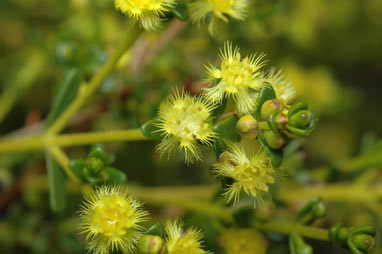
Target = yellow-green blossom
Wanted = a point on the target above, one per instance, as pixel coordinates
(243, 241)
(239, 78)
(110, 217)
(219, 10)
(181, 241)
(148, 12)
(185, 122)
(284, 89)
(252, 174)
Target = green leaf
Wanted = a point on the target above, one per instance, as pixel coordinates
(115, 176)
(77, 167)
(66, 94)
(275, 155)
(180, 11)
(217, 112)
(219, 147)
(98, 151)
(57, 194)
(155, 230)
(227, 128)
(151, 130)
(265, 94)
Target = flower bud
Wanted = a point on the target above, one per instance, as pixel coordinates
(319, 210)
(247, 126)
(269, 106)
(225, 157)
(95, 164)
(274, 140)
(281, 121)
(364, 242)
(152, 244)
(301, 119)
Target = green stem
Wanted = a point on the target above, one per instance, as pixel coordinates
(77, 139)
(132, 32)
(63, 160)
(285, 228)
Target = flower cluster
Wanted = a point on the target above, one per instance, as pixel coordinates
(239, 78)
(219, 10)
(251, 174)
(148, 12)
(185, 123)
(183, 242)
(111, 218)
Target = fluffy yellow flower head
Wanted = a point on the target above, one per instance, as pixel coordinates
(185, 122)
(239, 78)
(183, 242)
(110, 218)
(148, 12)
(285, 91)
(219, 9)
(243, 241)
(251, 174)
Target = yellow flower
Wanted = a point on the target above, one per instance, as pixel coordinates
(148, 12)
(251, 174)
(239, 78)
(219, 9)
(285, 91)
(243, 241)
(185, 123)
(110, 218)
(183, 242)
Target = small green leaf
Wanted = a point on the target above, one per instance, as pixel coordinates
(98, 151)
(272, 122)
(217, 112)
(155, 230)
(115, 176)
(266, 93)
(227, 128)
(77, 167)
(151, 130)
(66, 94)
(180, 10)
(275, 155)
(219, 147)
(57, 194)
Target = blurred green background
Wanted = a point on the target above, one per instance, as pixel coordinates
(330, 50)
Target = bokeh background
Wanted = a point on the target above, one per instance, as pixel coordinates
(330, 50)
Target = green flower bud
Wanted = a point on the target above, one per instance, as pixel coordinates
(281, 121)
(364, 242)
(269, 106)
(305, 249)
(248, 127)
(95, 164)
(152, 244)
(301, 119)
(319, 210)
(274, 140)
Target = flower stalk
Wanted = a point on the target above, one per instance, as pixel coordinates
(67, 140)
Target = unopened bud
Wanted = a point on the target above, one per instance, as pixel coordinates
(281, 121)
(247, 126)
(269, 106)
(364, 242)
(301, 119)
(152, 244)
(225, 157)
(274, 140)
(319, 210)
